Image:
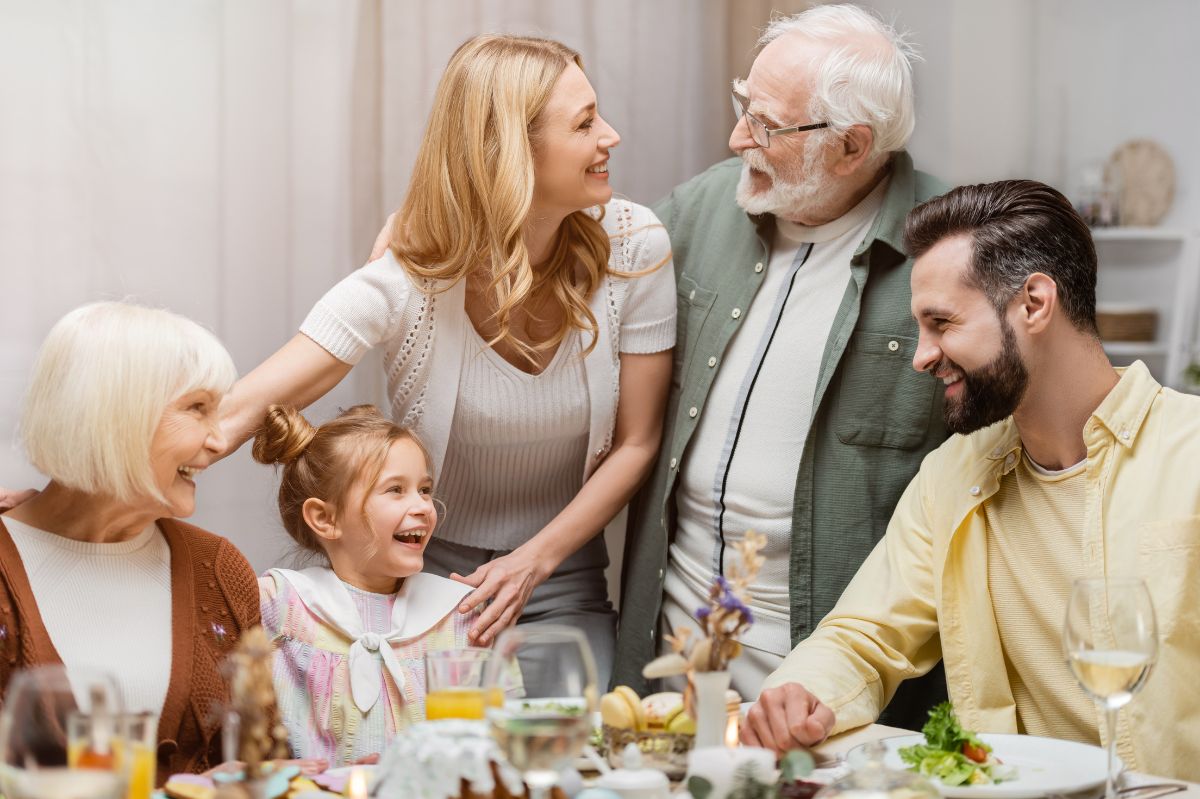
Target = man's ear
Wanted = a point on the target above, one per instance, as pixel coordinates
(855, 150)
(320, 517)
(1038, 302)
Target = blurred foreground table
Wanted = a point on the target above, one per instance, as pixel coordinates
(836, 747)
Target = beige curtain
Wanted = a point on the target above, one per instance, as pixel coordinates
(232, 160)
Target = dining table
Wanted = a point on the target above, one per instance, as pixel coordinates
(833, 750)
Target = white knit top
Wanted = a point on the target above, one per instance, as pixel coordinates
(517, 446)
(426, 343)
(107, 607)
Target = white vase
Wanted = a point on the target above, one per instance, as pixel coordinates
(708, 699)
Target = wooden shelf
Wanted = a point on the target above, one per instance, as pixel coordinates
(1138, 234)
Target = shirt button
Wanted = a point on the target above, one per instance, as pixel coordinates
(1124, 435)
(1009, 460)
(651, 634)
(660, 574)
(736, 313)
(674, 462)
(712, 362)
(692, 411)
(974, 491)
(893, 345)
(692, 296)
(758, 267)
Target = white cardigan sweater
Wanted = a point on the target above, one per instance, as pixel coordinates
(423, 331)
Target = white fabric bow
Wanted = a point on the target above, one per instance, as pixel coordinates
(421, 604)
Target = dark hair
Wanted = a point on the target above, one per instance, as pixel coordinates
(324, 462)
(1017, 227)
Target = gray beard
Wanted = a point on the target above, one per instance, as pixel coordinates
(786, 199)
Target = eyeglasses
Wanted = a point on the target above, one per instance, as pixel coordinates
(758, 129)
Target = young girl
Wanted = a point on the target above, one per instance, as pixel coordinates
(352, 635)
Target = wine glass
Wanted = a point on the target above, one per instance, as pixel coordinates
(59, 734)
(548, 679)
(1110, 640)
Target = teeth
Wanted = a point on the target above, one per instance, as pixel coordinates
(948, 379)
(411, 536)
(597, 170)
(189, 472)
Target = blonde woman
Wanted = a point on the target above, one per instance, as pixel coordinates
(527, 320)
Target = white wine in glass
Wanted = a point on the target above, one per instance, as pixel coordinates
(1111, 641)
(548, 678)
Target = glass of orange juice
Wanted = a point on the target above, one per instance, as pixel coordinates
(454, 683)
(136, 749)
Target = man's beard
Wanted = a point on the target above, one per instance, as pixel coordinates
(989, 393)
(785, 198)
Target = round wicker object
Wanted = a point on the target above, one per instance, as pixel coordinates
(1144, 176)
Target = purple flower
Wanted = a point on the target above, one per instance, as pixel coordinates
(703, 613)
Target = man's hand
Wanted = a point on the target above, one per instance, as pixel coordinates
(11, 499)
(787, 717)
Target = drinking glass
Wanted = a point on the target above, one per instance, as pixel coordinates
(544, 731)
(137, 752)
(454, 683)
(39, 759)
(1110, 640)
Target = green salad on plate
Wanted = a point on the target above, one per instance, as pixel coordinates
(953, 755)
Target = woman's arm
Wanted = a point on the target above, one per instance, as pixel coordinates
(298, 374)
(508, 581)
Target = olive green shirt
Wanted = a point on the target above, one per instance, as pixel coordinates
(874, 420)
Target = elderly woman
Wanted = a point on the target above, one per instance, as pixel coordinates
(96, 571)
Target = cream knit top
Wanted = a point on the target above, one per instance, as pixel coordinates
(426, 343)
(517, 446)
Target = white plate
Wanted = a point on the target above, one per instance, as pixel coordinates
(1044, 765)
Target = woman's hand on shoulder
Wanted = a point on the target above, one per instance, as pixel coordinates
(10, 499)
(384, 240)
(508, 581)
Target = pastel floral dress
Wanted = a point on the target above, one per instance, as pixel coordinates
(329, 635)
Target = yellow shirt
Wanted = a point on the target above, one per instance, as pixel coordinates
(923, 592)
(1034, 554)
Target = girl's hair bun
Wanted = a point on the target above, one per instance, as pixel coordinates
(283, 437)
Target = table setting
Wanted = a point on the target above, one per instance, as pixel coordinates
(526, 718)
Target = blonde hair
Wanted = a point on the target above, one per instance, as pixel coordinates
(472, 188)
(101, 382)
(326, 462)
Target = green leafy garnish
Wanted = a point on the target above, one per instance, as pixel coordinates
(954, 755)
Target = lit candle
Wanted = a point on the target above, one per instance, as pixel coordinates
(732, 729)
(356, 788)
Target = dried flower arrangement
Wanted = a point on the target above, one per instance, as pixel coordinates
(726, 616)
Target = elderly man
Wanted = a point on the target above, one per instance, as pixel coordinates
(1065, 469)
(794, 412)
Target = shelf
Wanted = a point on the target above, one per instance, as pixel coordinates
(1138, 234)
(1134, 348)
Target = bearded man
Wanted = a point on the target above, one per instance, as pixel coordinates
(793, 411)
(1065, 469)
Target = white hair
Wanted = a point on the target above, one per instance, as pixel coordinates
(101, 382)
(866, 76)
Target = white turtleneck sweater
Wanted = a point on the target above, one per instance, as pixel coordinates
(740, 473)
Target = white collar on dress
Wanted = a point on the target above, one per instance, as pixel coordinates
(422, 602)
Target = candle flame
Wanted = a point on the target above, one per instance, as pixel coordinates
(731, 731)
(357, 786)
